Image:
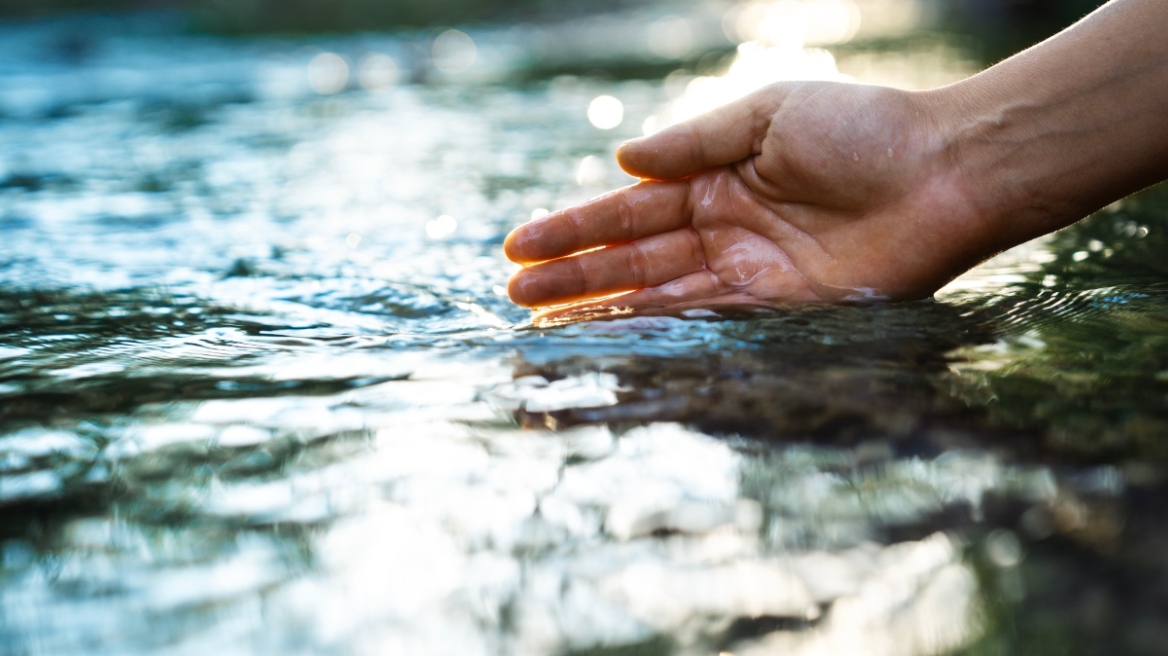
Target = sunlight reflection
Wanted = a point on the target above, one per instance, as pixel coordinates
(590, 172)
(794, 22)
(891, 17)
(671, 37)
(454, 52)
(778, 42)
(441, 227)
(377, 71)
(328, 73)
(755, 66)
(315, 414)
(606, 112)
(651, 126)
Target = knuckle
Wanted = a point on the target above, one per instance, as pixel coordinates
(637, 262)
(577, 277)
(625, 215)
(573, 230)
(697, 145)
(697, 252)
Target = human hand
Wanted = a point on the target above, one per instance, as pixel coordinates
(799, 192)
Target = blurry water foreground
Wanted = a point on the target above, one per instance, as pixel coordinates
(261, 391)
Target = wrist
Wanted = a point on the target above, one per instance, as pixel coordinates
(1054, 133)
(961, 131)
(1006, 145)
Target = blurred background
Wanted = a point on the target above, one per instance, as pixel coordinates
(906, 43)
(1018, 21)
(999, 26)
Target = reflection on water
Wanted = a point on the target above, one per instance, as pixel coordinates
(261, 390)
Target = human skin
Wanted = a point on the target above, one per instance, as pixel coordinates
(817, 191)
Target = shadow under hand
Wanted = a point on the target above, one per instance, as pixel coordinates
(837, 374)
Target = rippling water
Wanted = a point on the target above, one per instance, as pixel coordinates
(258, 396)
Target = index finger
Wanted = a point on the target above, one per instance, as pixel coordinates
(622, 216)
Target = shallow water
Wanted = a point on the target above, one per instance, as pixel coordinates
(256, 396)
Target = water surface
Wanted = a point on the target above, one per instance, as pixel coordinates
(261, 390)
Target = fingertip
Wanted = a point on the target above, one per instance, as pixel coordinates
(721, 136)
(627, 147)
(630, 155)
(512, 248)
(522, 247)
(518, 289)
(666, 155)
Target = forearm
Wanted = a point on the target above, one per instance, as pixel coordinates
(1056, 132)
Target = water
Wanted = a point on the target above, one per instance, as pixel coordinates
(257, 396)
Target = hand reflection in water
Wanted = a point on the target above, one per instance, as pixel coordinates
(836, 192)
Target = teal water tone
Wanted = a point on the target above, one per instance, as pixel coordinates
(261, 391)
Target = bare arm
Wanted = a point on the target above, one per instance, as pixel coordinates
(1068, 126)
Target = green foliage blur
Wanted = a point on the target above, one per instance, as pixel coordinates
(998, 27)
(243, 16)
(1002, 27)
(310, 16)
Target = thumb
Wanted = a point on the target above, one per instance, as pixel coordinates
(722, 136)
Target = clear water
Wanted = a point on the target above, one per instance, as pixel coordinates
(256, 397)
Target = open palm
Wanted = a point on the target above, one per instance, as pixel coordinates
(800, 192)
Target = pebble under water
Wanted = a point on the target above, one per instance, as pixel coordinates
(261, 391)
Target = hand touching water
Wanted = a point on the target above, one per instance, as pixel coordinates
(800, 192)
(819, 191)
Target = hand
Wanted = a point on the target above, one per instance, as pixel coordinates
(799, 192)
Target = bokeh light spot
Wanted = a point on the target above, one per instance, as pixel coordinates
(651, 126)
(606, 112)
(793, 22)
(590, 172)
(377, 71)
(454, 52)
(670, 37)
(328, 73)
(1003, 548)
(441, 227)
